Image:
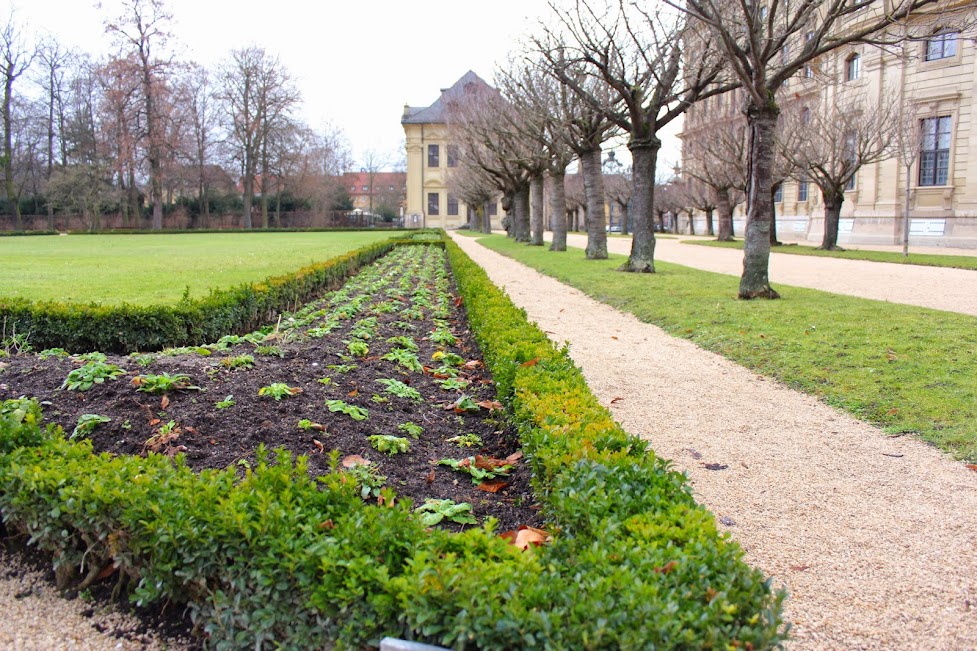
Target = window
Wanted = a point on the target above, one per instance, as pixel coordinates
(778, 194)
(942, 45)
(390, 188)
(805, 116)
(808, 71)
(452, 155)
(853, 67)
(802, 189)
(433, 202)
(493, 209)
(433, 156)
(365, 188)
(352, 188)
(452, 206)
(934, 160)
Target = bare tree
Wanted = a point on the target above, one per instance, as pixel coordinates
(716, 158)
(618, 186)
(473, 185)
(638, 54)
(120, 128)
(766, 44)
(141, 31)
(16, 56)
(54, 59)
(702, 197)
(830, 142)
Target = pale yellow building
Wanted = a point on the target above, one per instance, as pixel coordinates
(430, 159)
(935, 78)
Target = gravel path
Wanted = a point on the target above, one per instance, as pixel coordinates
(935, 287)
(873, 537)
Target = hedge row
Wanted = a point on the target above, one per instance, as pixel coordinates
(270, 560)
(128, 328)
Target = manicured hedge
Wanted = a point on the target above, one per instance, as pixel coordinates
(128, 328)
(269, 560)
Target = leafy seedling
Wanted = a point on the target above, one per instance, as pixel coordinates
(86, 376)
(433, 511)
(462, 405)
(470, 440)
(342, 368)
(389, 444)
(305, 425)
(443, 337)
(479, 467)
(401, 390)
(269, 351)
(279, 390)
(358, 348)
(53, 352)
(404, 341)
(226, 403)
(163, 383)
(413, 430)
(405, 358)
(448, 359)
(453, 384)
(238, 362)
(325, 381)
(365, 475)
(354, 412)
(87, 424)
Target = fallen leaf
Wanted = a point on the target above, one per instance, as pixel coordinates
(525, 536)
(474, 363)
(491, 405)
(106, 572)
(728, 521)
(532, 362)
(895, 456)
(514, 457)
(354, 460)
(710, 594)
(800, 568)
(136, 381)
(319, 446)
(459, 301)
(667, 567)
(191, 430)
(430, 477)
(328, 524)
(213, 441)
(892, 412)
(164, 402)
(972, 466)
(891, 355)
(695, 454)
(353, 393)
(613, 337)
(489, 463)
(715, 466)
(616, 399)
(154, 422)
(493, 486)
(763, 336)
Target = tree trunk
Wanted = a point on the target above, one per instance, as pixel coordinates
(248, 193)
(691, 222)
(755, 281)
(13, 206)
(773, 216)
(725, 209)
(710, 231)
(644, 160)
(832, 213)
(558, 210)
(520, 217)
(536, 211)
(625, 217)
(593, 183)
(485, 217)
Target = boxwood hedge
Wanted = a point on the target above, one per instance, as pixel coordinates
(278, 559)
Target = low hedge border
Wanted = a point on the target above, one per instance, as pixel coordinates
(269, 560)
(128, 328)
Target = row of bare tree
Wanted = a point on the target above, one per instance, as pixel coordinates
(605, 68)
(88, 136)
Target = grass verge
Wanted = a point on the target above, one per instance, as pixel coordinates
(922, 259)
(150, 269)
(910, 370)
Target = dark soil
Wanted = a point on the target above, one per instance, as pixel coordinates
(209, 437)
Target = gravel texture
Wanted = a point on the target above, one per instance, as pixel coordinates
(874, 538)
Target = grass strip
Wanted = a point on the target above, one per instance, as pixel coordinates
(154, 269)
(910, 370)
(921, 259)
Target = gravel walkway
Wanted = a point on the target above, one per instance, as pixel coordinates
(873, 537)
(935, 287)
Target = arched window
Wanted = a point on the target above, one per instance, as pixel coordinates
(853, 67)
(941, 45)
(805, 116)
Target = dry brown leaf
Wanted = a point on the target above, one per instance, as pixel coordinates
(491, 405)
(430, 476)
(493, 486)
(155, 421)
(514, 457)
(106, 572)
(667, 567)
(532, 362)
(353, 393)
(328, 524)
(524, 537)
(972, 466)
(471, 364)
(489, 463)
(458, 301)
(616, 399)
(799, 568)
(613, 337)
(354, 460)
(164, 402)
(320, 448)
(136, 381)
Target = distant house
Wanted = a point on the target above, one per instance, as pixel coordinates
(430, 159)
(377, 192)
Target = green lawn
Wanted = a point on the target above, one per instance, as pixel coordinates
(155, 269)
(908, 369)
(924, 259)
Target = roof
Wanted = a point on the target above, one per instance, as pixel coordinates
(359, 179)
(434, 114)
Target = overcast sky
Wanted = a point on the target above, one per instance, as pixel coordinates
(357, 62)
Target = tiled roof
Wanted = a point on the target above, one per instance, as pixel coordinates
(434, 114)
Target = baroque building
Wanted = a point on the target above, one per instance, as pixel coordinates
(430, 158)
(933, 79)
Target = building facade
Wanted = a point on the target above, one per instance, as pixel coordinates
(933, 78)
(382, 193)
(430, 160)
